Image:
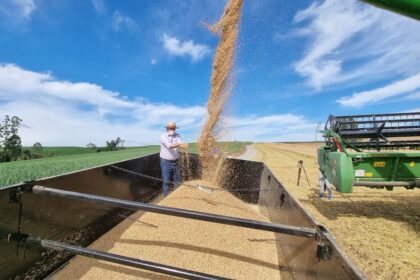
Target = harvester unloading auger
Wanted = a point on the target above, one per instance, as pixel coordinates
(409, 8)
(381, 150)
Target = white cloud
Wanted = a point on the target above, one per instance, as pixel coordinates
(23, 84)
(18, 9)
(99, 6)
(25, 7)
(331, 24)
(414, 110)
(413, 96)
(397, 88)
(350, 41)
(283, 127)
(187, 48)
(60, 113)
(120, 21)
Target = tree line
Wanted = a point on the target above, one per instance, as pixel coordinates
(11, 143)
(111, 145)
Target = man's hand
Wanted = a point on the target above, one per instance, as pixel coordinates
(179, 145)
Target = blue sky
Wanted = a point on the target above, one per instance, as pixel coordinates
(91, 70)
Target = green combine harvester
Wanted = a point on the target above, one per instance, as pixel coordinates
(358, 151)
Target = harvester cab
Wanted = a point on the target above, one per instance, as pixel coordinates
(381, 150)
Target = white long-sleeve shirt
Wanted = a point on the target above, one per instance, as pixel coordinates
(166, 141)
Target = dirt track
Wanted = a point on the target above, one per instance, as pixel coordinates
(379, 229)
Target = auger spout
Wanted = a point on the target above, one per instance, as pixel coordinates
(410, 8)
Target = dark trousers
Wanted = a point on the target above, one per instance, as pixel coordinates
(170, 172)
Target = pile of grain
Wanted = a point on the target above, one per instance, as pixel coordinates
(196, 245)
(379, 229)
(221, 86)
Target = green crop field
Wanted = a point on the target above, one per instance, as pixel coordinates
(68, 151)
(25, 170)
(65, 151)
(77, 158)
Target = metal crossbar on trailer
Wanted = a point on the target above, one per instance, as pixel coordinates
(239, 222)
(193, 186)
(114, 258)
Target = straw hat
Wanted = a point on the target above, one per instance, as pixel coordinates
(171, 125)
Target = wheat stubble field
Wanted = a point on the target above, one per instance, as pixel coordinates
(378, 229)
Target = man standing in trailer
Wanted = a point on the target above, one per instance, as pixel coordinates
(170, 142)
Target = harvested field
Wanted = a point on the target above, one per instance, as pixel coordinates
(195, 245)
(379, 229)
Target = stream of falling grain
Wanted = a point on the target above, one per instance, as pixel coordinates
(211, 157)
(186, 171)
